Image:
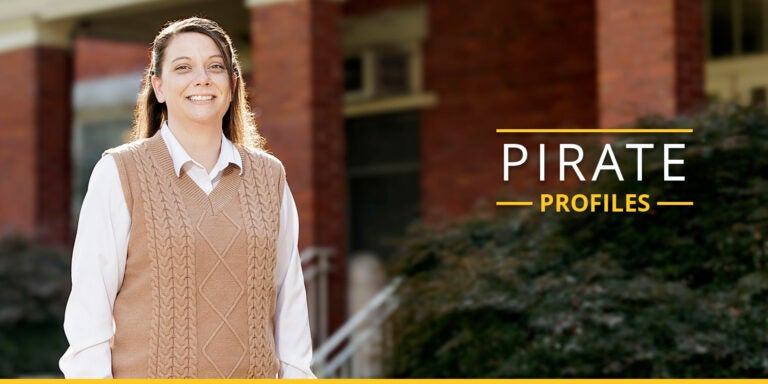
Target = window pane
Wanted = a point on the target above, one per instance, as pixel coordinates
(752, 26)
(392, 73)
(381, 208)
(382, 140)
(353, 74)
(721, 28)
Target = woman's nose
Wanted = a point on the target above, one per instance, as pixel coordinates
(202, 77)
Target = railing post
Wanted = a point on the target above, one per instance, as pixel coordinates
(324, 268)
(316, 267)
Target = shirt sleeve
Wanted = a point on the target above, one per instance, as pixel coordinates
(292, 338)
(98, 266)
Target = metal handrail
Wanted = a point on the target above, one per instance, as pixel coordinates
(315, 262)
(383, 299)
(357, 341)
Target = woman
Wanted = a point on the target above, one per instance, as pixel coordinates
(185, 262)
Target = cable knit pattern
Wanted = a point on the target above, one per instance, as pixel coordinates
(262, 213)
(151, 230)
(198, 295)
(172, 334)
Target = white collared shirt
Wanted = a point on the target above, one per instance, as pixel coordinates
(98, 266)
(183, 162)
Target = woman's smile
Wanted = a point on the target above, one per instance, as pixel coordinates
(201, 98)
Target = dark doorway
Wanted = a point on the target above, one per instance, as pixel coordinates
(383, 171)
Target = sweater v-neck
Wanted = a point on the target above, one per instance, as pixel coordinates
(224, 191)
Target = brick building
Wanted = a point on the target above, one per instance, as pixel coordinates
(383, 111)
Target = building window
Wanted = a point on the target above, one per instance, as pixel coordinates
(384, 61)
(379, 72)
(736, 27)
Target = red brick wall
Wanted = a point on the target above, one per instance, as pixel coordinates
(499, 64)
(54, 119)
(34, 143)
(35, 139)
(18, 92)
(650, 56)
(281, 95)
(636, 56)
(689, 55)
(101, 58)
(297, 93)
(330, 180)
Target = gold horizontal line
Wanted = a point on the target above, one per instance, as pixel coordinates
(514, 203)
(595, 130)
(683, 203)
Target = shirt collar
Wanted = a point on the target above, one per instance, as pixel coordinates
(227, 155)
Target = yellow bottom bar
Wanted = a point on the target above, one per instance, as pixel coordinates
(407, 381)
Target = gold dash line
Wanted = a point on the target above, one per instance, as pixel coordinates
(514, 203)
(675, 203)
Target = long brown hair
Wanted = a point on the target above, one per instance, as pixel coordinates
(238, 124)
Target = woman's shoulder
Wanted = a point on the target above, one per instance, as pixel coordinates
(125, 148)
(105, 178)
(258, 154)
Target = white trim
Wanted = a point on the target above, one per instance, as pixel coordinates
(29, 32)
(733, 78)
(261, 3)
(58, 9)
(369, 76)
(395, 26)
(416, 67)
(391, 104)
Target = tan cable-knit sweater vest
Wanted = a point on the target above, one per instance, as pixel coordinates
(198, 295)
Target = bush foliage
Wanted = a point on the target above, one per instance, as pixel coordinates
(673, 292)
(34, 285)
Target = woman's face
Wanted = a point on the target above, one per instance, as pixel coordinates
(195, 85)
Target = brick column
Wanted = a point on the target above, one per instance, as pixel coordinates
(650, 58)
(35, 141)
(297, 95)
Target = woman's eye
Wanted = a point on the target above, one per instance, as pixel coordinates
(217, 67)
(182, 67)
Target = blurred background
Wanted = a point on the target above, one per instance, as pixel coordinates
(384, 114)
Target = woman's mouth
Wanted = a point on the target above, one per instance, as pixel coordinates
(200, 97)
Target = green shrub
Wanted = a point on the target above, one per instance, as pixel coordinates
(34, 286)
(673, 292)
